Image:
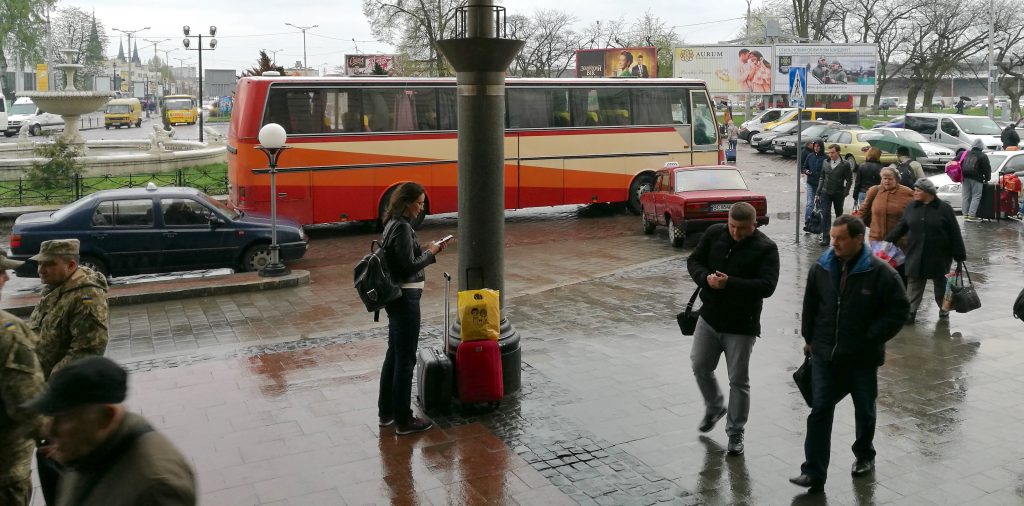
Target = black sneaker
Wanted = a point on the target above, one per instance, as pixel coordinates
(415, 424)
(386, 421)
(710, 420)
(736, 444)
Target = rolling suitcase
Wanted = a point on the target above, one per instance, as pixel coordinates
(989, 206)
(730, 155)
(478, 366)
(434, 368)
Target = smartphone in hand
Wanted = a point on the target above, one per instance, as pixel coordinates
(445, 239)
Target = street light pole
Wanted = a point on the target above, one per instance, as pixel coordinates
(129, 33)
(991, 58)
(305, 62)
(272, 139)
(199, 47)
(273, 54)
(181, 70)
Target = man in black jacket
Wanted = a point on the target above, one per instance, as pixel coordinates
(1010, 137)
(833, 187)
(846, 347)
(736, 267)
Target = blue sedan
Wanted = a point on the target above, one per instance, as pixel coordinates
(152, 229)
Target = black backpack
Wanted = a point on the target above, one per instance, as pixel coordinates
(969, 167)
(1018, 306)
(373, 280)
(906, 175)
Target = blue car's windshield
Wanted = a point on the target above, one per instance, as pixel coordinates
(222, 207)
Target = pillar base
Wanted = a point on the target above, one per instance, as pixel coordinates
(511, 354)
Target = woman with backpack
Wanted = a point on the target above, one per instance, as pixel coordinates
(406, 259)
(909, 170)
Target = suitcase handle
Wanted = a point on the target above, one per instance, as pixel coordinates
(447, 323)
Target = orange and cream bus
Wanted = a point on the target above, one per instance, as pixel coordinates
(567, 141)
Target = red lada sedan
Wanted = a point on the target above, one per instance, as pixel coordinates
(691, 199)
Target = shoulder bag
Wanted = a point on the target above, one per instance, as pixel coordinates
(965, 297)
(687, 320)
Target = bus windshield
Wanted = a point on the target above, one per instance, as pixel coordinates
(118, 109)
(177, 104)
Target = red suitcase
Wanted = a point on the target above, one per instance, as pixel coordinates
(478, 367)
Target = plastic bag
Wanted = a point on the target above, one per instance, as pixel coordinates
(889, 252)
(479, 315)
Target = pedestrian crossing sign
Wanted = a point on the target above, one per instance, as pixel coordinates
(797, 87)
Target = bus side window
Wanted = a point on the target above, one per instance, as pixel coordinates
(447, 115)
(531, 108)
(660, 106)
(425, 100)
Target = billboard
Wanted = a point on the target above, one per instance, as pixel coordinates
(617, 62)
(726, 69)
(363, 64)
(832, 69)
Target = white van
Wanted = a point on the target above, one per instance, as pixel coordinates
(3, 113)
(958, 131)
(25, 112)
(758, 124)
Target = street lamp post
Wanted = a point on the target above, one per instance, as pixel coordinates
(305, 62)
(181, 72)
(272, 138)
(273, 54)
(129, 33)
(199, 47)
(991, 58)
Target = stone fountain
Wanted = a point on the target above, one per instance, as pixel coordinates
(160, 153)
(70, 103)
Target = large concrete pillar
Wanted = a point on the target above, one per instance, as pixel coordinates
(480, 60)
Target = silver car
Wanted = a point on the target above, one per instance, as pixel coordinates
(935, 155)
(949, 191)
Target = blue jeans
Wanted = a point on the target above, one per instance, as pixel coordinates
(859, 199)
(732, 144)
(809, 206)
(396, 375)
(826, 203)
(970, 192)
(829, 384)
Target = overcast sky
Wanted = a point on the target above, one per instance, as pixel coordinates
(246, 26)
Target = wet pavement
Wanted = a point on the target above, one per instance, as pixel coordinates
(272, 394)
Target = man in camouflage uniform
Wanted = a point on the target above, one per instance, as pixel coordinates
(71, 321)
(21, 379)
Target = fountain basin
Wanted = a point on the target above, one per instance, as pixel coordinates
(119, 157)
(68, 103)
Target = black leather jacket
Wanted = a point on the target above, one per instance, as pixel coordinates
(406, 258)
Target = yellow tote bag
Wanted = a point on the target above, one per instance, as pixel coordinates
(480, 315)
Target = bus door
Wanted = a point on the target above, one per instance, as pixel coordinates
(705, 129)
(540, 174)
(293, 196)
(534, 117)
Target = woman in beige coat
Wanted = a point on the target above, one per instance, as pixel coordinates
(883, 207)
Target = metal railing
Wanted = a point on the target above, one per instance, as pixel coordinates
(26, 191)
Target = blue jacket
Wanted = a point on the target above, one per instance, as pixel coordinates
(812, 167)
(851, 326)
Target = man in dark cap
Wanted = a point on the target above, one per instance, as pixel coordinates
(21, 379)
(111, 456)
(70, 320)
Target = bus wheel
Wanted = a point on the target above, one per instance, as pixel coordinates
(641, 184)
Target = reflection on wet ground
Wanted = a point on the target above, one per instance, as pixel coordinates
(286, 412)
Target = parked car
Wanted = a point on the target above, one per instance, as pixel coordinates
(786, 145)
(152, 229)
(950, 191)
(853, 146)
(25, 112)
(762, 141)
(957, 131)
(759, 123)
(691, 199)
(936, 155)
(886, 103)
(896, 122)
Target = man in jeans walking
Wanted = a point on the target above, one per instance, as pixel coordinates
(846, 347)
(833, 186)
(976, 172)
(736, 267)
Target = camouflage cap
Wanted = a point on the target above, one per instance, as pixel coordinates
(7, 263)
(50, 250)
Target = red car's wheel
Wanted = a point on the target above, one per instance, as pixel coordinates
(676, 235)
(647, 223)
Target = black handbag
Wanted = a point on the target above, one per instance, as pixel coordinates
(965, 297)
(687, 320)
(802, 377)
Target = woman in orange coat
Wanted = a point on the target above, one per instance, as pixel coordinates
(883, 207)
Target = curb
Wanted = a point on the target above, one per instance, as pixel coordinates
(250, 282)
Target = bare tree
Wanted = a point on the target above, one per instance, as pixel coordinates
(414, 26)
(551, 42)
(1009, 56)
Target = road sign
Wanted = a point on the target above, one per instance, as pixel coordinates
(797, 87)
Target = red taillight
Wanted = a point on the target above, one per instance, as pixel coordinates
(15, 241)
(695, 208)
(241, 195)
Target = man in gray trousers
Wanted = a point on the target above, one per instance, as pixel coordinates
(736, 267)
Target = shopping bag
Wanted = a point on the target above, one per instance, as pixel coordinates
(479, 315)
(964, 297)
(814, 222)
(687, 319)
(889, 252)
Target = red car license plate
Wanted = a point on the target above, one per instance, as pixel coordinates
(718, 208)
